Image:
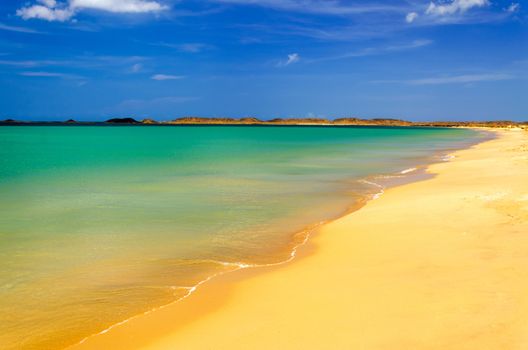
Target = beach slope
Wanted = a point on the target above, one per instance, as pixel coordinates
(436, 264)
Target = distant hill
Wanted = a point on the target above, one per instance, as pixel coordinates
(281, 121)
(122, 121)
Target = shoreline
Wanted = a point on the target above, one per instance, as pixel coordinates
(251, 121)
(301, 249)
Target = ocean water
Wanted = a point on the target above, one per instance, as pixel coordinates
(98, 224)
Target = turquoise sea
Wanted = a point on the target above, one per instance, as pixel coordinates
(100, 223)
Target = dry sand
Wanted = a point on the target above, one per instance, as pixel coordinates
(436, 264)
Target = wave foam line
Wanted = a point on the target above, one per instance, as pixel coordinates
(406, 171)
(447, 157)
(380, 187)
(240, 265)
(236, 265)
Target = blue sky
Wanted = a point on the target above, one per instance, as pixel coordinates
(413, 59)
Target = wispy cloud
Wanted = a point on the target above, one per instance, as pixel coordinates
(461, 79)
(333, 7)
(514, 7)
(382, 21)
(161, 77)
(325, 32)
(106, 62)
(75, 79)
(51, 10)
(452, 79)
(193, 47)
(131, 64)
(291, 59)
(187, 47)
(136, 68)
(454, 12)
(18, 29)
(44, 74)
(370, 51)
(28, 64)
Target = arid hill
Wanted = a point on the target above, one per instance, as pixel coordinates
(340, 121)
(281, 121)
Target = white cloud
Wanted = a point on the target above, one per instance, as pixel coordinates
(51, 10)
(161, 77)
(455, 6)
(119, 6)
(440, 12)
(411, 16)
(45, 13)
(514, 7)
(461, 79)
(292, 58)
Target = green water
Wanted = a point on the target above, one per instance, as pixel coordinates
(98, 224)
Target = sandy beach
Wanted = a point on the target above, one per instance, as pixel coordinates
(436, 264)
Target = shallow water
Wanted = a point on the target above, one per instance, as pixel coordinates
(98, 224)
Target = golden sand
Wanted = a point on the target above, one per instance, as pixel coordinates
(436, 264)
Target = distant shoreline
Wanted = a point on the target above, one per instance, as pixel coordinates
(198, 121)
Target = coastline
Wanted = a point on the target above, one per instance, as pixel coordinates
(213, 296)
(76, 320)
(251, 121)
